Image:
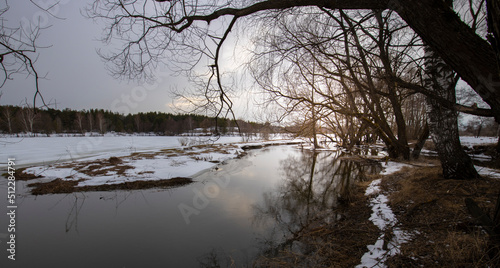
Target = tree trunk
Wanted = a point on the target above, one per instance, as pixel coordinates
(420, 143)
(443, 123)
(493, 7)
(467, 53)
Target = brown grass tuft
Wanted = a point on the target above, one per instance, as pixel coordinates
(435, 208)
(115, 160)
(59, 186)
(21, 175)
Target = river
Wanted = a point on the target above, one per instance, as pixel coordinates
(240, 210)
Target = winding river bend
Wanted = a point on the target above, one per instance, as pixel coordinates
(235, 212)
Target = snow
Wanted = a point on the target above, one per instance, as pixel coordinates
(470, 141)
(47, 150)
(489, 172)
(391, 167)
(383, 217)
(142, 157)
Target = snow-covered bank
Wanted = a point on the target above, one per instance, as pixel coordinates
(47, 150)
(149, 159)
(489, 172)
(392, 167)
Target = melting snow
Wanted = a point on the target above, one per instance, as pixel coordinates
(490, 172)
(392, 167)
(383, 217)
(167, 160)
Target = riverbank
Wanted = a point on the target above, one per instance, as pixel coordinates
(407, 216)
(434, 208)
(164, 168)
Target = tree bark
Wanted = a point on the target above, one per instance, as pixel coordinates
(464, 51)
(443, 123)
(493, 7)
(420, 143)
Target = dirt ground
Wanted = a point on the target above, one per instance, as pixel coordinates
(434, 208)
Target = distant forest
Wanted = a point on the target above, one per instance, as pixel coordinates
(14, 119)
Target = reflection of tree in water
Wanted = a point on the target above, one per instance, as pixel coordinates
(72, 219)
(119, 197)
(314, 188)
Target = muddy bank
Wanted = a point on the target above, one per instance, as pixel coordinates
(59, 186)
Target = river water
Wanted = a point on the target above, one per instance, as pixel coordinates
(242, 209)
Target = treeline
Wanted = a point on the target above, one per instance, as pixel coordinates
(14, 119)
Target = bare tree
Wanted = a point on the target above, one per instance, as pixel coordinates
(90, 119)
(138, 123)
(493, 7)
(356, 55)
(443, 122)
(8, 117)
(79, 121)
(157, 30)
(18, 50)
(28, 117)
(101, 122)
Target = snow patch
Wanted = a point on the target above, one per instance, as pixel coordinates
(168, 160)
(489, 172)
(392, 167)
(470, 141)
(391, 237)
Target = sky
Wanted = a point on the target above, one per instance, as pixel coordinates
(75, 75)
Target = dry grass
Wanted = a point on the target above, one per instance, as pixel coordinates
(23, 176)
(434, 207)
(59, 186)
(98, 167)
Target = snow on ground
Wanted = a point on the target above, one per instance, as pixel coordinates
(140, 157)
(383, 217)
(470, 141)
(46, 150)
(489, 172)
(385, 220)
(392, 167)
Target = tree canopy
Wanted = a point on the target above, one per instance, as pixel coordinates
(155, 30)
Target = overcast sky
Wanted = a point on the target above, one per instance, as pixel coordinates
(76, 77)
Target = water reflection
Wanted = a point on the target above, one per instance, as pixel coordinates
(72, 219)
(313, 187)
(271, 194)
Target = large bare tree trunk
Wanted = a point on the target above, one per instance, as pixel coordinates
(459, 46)
(420, 142)
(494, 26)
(443, 123)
